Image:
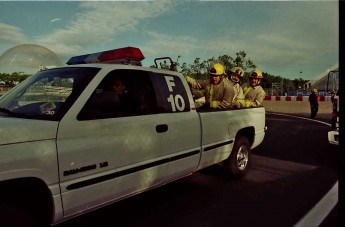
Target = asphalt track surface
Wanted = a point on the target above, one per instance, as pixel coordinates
(310, 147)
(292, 182)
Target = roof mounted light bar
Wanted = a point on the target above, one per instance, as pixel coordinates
(126, 55)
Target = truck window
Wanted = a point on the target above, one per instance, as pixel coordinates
(122, 93)
(47, 95)
(171, 92)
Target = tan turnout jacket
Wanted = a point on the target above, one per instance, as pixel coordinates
(222, 93)
(255, 95)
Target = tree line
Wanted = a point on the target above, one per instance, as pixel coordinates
(12, 78)
(199, 70)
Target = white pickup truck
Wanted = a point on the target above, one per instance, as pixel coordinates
(68, 145)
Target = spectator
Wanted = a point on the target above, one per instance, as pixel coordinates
(314, 104)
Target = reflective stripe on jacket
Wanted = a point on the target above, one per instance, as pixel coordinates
(254, 96)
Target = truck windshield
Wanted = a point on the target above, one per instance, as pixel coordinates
(46, 95)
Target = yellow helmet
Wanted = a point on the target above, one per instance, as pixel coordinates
(238, 70)
(216, 69)
(256, 74)
(315, 90)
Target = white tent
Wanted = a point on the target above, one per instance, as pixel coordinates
(330, 76)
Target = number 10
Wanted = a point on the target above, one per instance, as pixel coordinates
(176, 103)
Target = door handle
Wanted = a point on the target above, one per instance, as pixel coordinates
(161, 128)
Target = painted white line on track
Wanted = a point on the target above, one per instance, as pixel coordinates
(320, 211)
(304, 118)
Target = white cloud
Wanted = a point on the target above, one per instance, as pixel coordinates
(54, 20)
(101, 22)
(289, 36)
(164, 44)
(11, 34)
(275, 35)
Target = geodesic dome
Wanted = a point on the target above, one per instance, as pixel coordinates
(28, 59)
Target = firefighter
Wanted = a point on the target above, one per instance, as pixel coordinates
(217, 90)
(235, 76)
(314, 104)
(254, 94)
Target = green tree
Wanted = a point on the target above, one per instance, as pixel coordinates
(298, 83)
(13, 78)
(199, 68)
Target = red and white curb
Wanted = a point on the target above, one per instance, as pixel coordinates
(295, 98)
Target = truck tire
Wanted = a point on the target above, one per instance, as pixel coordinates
(239, 159)
(12, 216)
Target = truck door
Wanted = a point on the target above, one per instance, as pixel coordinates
(109, 149)
(184, 125)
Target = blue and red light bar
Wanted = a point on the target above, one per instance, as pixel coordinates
(126, 55)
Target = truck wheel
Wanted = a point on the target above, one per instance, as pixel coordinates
(11, 216)
(239, 159)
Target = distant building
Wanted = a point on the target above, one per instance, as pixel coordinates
(27, 58)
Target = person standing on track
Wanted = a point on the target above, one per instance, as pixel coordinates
(314, 104)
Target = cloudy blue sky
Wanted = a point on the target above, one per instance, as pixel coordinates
(282, 38)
